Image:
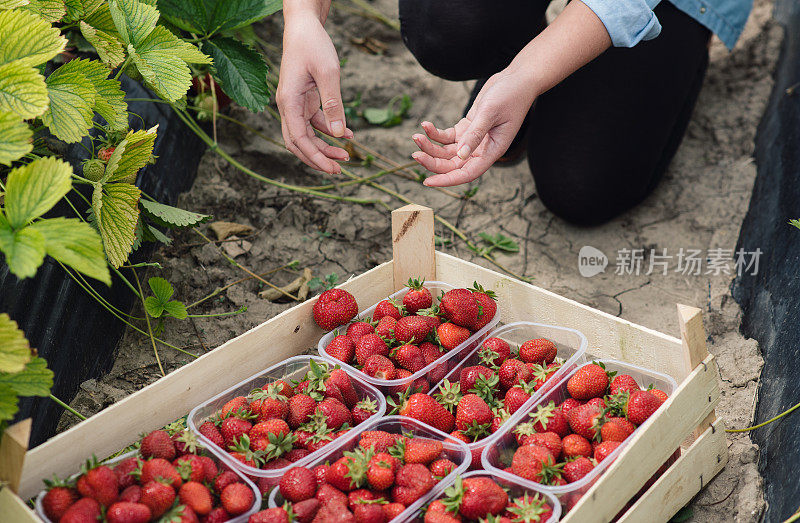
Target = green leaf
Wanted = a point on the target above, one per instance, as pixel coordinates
(24, 250)
(213, 16)
(133, 19)
(109, 101)
(116, 213)
(72, 99)
(50, 10)
(34, 380)
(500, 241)
(80, 9)
(169, 216)
(162, 289)
(22, 90)
(8, 403)
(15, 138)
(153, 306)
(15, 352)
(796, 223)
(176, 309)
(12, 4)
(241, 71)
(27, 39)
(33, 189)
(101, 20)
(75, 243)
(153, 234)
(137, 147)
(108, 47)
(161, 40)
(160, 302)
(392, 114)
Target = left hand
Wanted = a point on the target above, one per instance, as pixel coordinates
(470, 147)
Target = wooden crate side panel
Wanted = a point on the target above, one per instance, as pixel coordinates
(12, 508)
(681, 482)
(608, 336)
(695, 398)
(287, 334)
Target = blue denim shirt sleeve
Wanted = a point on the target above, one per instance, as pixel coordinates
(628, 22)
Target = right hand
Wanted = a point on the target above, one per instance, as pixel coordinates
(308, 94)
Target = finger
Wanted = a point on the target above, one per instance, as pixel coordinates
(471, 170)
(475, 133)
(435, 150)
(330, 94)
(445, 136)
(332, 152)
(319, 123)
(298, 136)
(437, 165)
(294, 150)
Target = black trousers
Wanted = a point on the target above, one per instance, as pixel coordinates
(600, 141)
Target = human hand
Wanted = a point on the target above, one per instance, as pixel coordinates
(309, 79)
(470, 147)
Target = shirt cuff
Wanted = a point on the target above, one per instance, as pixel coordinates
(628, 22)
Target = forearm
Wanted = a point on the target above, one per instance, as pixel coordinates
(576, 37)
(295, 8)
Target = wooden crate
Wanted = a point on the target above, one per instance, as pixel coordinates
(686, 419)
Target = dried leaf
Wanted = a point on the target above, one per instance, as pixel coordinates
(224, 230)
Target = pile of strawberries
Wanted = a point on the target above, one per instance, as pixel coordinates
(169, 480)
(404, 337)
(561, 444)
(280, 423)
(481, 498)
(373, 483)
(488, 393)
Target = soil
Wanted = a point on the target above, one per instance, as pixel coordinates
(699, 205)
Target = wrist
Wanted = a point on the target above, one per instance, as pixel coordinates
(302, 10)
(525, 76)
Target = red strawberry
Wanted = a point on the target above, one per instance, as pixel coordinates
(341, 380)
(190, 467)
(472, 410)
(589, 381)
(271, 515)
(623, 382)
(298, 484)
(574, 445)
(442, 467)
(379, 367)
(126, 512)
(539, 351)
(160, 468)
(296, 455)
(342, 348)
(597, 402)
(410, 358)
(418, 297)
(550, 418)
(569, 404)
(99, 483)
(660, 394)
(157, 444)
(469, 376)
(345, 473)
(386, 308)
(461, 307)
(481, 497)
(531, 508)
(263, 429)
(328, 494)
(305, 511)
(223, 480)
(412, 329)
(237, 498)
(422, 450)
(534, 462)
(457, 434)
(335, 412)
(385, 327)
(357, 329)
(196, 496)
(429, 411)
(605, 448)
(361, 496)
(513, 372)
(334, 512)
(368, 345)
(333, 308)
(364, 410)
(378, 440)
(451, 335)
(381, 470)
(549, 440)
(104, 153)
(411, 483)
(301, 408)
(132, 494)
(486, 304)
(233, 428)
(217, 515)
(84, 510)
(58, 500)
(123, 470)
(516, 397)
(495, 351)
(210, 431)
(157, 496)
(616, 429)
(641, 405)
(392, 510)
(239, 403)
(368, 513)
(575, 470)
(584, 420)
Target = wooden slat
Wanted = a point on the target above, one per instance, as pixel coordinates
(658, 438)
(693, 339)
(13, 447)
(412, 244)
(12, 508)
(287, 334)
(608, 336)
(679, 484)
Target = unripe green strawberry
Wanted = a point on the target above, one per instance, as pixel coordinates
(93, 169)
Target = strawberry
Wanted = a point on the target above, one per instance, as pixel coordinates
(605, 448)
(357, 329)
(328, 494)
(574, 445)
(597, 402)
(296, 455)
(158, 444)
(486, 304)
(494, 351)
(410, 358)
(263, 429)
(362, 496)
(342, 348)
(217, 515)
(550, 418)
(440, 468)
(99, 483)
(333, 308)
(392, 510)
(451, 335)
(659, 394)
(270, 515)
(161, 469)
(584, 420)
(335, 413)
(461, 307)
(223, 480)
(368, 345)
(549, 440)
(539, 351)
(334, 512)
(623, 382)
(422, 450)
(298, 484)
(58, 499)
(516, 397)
(641, 405)
(513, 372)
(469, 376)
(381, 471)
(196, 496)
(535, 463)
(84, 510)
(589, 381)
(237, 498)
(347, 473)
(239, 403)
(387, 308)
(132, 494)
(616, 429)
(569, 404)
(457, 434)
(412, 329)
(125, 469)
(369, 513)
(378, 440)
(212, 433)
(104, 153)
(363, 410)
(418, 297)
(301, 408)
(125, 512)
(501, 415)
(379, 367)
(190, 467)
(575, 470)
(385, 327)
(531, 508)
(437, 513)
(411, 483)
(157, 496)
(304, 511)
(429, 411)
(430, 352)
(472, 410)
(478, 497)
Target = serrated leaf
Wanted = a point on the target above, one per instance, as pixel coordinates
(80, 9)
(108, 47)
(213, 16)
(33, 189)
(101, 20)
(137, 148)
(133, 19)
(12, 4)
(75, 243)
(153, 306)
(35, 379)
(166, 74)
(109, 101)
(8, 403)
(241, 71)
(162, 289)
(22, 90)
(15, 138)
(15, 352)
(116, 213)
(161, 41)
(27, 39)
(172, 216)
(24, 250)
(72, 98)
(176, 309)
(49, 10)
(156, 235)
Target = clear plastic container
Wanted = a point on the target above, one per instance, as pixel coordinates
(511, 484)
(498, 455)
(437, 368)
(221, 463)
(571, 345)
(455, 450)
(290, 369)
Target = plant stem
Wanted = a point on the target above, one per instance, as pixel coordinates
(776, 418)
(241, 309)
(122, 67)
(68, 408)
(228, 286)
(147, 319)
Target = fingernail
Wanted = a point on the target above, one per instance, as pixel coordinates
(337, 127)
(463, 153)
(349, 134)
(416, 155)
(346, 158)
